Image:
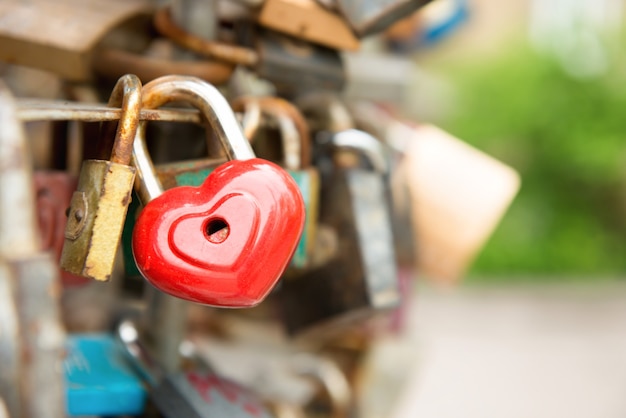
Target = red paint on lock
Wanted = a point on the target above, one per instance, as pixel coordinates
(181, 244)
(53, 190)
(208, 382)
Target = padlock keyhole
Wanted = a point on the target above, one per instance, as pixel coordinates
(217, 230)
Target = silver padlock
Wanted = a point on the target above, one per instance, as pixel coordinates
(361, 281)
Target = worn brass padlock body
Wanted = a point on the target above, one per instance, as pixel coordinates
(98, 208)
(92, 239)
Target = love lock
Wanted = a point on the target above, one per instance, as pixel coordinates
(227, 242)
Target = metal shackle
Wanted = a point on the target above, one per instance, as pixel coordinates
(293, 127)
(214, 109)
(127, 95)
(364, 144)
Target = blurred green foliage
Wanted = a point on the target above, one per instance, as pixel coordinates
(567, 138)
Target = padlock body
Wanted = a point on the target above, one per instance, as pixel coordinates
(96, 218)
(99, 380)
(361, 281)
(259, 213)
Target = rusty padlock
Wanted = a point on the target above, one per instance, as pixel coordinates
(295, 157)
(98, 210)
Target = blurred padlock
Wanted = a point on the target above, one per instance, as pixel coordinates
(309, 21)
(98, 210)
(362, 279)
(458, 195)
(60, 37)
(227, 242)
(195, 393)
(292, 65)
(99, 380)
(9, 340)
(295, 156)
(53, 190)
(373, 16)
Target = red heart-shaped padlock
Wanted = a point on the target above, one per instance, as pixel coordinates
(225, 243)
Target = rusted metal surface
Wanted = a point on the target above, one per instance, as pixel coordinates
(127, 94)
(36, 109)
(115, 63)
(220, 51)
(99, 206)
(293, 127)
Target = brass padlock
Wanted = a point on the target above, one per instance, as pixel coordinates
(98, 208)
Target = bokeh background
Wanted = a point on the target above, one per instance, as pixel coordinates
(541, 86)
(538, 328)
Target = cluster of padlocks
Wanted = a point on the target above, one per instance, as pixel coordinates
(189, 186)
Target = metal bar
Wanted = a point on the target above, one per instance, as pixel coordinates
(35, 109)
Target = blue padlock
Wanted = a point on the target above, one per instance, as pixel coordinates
(99, 379)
